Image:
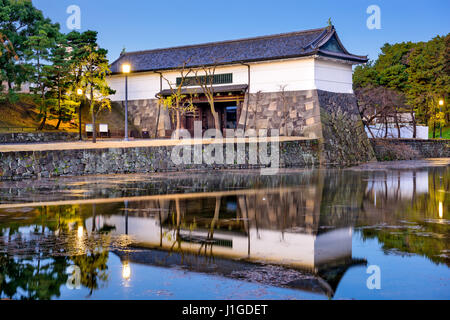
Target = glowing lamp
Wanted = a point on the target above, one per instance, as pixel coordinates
(126, 68)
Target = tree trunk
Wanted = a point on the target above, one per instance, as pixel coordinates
(215, 115)
(94, 131)
(386, 125)
(44, 108)
(42, 124)
(413, 119)
(216, 121)
(157, 120)
(368, 128)
(59, 105)
(79, 122)
(396, 124)
(59, 119)
(178, 125)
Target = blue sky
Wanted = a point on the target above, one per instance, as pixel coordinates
(149, 24)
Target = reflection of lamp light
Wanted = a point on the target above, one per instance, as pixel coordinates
(441, 210)
(80, 232)
(126, 271)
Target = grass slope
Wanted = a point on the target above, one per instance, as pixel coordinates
(24, 116)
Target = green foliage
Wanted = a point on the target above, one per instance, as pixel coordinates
(33, 50)
(420, 72)
(445, 133)
(23, 279)
(429, 81)
(19, 20)
(38, 53)
(365, 76)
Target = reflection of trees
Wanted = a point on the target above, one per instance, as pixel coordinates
(24, 279)
(178, 222)
(33, 263)
(413, 225)
(210, 236)
(93, 266)
(342, 198)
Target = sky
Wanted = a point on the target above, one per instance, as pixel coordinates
(147, 24)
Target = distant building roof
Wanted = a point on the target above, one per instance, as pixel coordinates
(323, 41)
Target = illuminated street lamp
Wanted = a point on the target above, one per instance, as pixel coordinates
(441, 103)
(79, 93)
(126, 69)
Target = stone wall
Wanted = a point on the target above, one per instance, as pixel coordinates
(144, 114)
(35, 137)
(331, 117)
(294, 113)
(409, 149)
(21, 165)
(344, 139)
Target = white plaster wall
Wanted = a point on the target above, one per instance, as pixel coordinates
(294, 74)
(147, 85)
(140, 86)
(406, 131)
(333, 76)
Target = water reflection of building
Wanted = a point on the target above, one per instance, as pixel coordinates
(398, 184)
(282, 226)
(406, 212)
(303, 224)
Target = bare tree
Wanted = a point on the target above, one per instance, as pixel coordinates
(204, 77)
(379, 105)
(178, 102)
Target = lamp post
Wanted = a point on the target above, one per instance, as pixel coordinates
(126, 69)
(441, 103)
(79, 93)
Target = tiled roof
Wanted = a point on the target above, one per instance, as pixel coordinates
(280, 46)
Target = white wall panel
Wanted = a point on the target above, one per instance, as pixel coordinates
(333, 76)
(296, 74)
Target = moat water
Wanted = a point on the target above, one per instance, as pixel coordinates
(378, 231)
